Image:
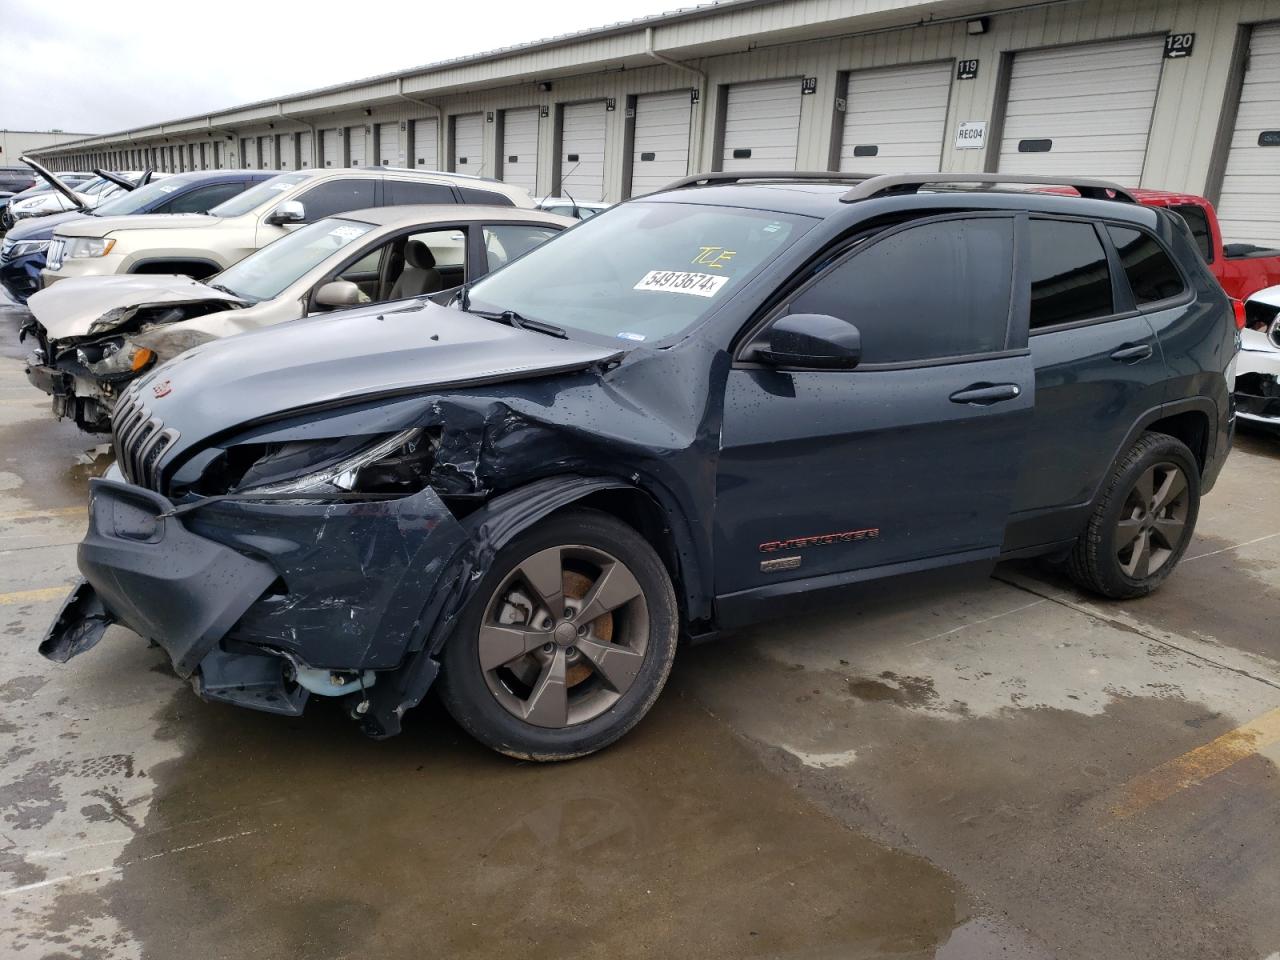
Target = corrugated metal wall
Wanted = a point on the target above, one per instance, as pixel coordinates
(1185, 150)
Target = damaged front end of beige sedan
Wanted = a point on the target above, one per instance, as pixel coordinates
(93, 336)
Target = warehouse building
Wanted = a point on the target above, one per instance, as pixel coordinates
(1175, 94)
(14, 143)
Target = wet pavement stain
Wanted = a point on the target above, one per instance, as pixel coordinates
(891, 688)
(1018, 808)
(304, 839)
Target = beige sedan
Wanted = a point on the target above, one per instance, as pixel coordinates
(95, 334)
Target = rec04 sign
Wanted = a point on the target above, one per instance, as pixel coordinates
(971, 135)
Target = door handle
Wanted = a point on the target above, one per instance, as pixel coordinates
(1132, 354)
(985, 394)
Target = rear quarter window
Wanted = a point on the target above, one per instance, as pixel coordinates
(1152, 275)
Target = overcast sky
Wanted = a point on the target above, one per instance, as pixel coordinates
(94, 67)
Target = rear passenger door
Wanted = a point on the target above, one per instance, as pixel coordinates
(1098, 369)
(911, 456)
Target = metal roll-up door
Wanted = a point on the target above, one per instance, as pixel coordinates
(389, 144)
(1083, 110)
(660, 149)
(895, 119)
(356, 156)
(424, 144)
(265, 159)
(762, 126)
(285, 157)
(305, 156)
(248, 153)
(1249, 203)
(331, 143)
(468, 144)
(582, 151)
(520, 148)
(220, 155)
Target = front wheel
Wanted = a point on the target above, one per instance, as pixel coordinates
(1141, 526)
(567, 643)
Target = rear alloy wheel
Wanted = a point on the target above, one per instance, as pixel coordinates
(567, 642)
(1143, 523)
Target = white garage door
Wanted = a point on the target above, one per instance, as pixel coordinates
(265, 160)
(661, 149)
(248, 153)
(520, 148)
(426, 137)
(331, 142)
(355, 147)
(389, 144)
(582, 151)
(285, 151)
(1083, 110)
(895, 119)
(468, 144)
(1249, 208)
(762, 126)
(220, 155)
(305, 158)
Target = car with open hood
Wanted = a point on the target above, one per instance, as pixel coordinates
(698, 409)
(96, 334)
(1257, 372)
(24, 249)
(40, 189)
(200, 245)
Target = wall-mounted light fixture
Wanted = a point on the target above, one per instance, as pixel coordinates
(975, 27)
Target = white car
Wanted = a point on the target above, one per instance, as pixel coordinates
(1257, 384)
(95, 334)
(90, 194)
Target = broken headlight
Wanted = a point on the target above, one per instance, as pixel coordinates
(396, 465)
(114, 359)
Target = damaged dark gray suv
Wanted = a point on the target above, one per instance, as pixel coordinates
(679, 417)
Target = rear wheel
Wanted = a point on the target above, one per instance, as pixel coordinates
(567, 642)
(1140, 528)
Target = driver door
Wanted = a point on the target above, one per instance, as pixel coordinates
(912, 457)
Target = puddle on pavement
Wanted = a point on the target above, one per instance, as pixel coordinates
(52, 461)
(304, 839)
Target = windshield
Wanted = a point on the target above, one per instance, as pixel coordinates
(267, 272)
(141, 198)
(95, 186)
(256, 196)
(641, 271)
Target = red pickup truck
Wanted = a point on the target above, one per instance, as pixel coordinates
(1241, 268)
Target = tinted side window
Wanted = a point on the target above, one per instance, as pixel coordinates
(1069, 276)
(472, 195)
(203, 199)
(1151, 273)
(337, 196)
(1198, 221)
(930, 291)
(405, 191)
(505, 242)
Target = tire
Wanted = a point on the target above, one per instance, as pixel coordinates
(1108, 557)
(554, 700)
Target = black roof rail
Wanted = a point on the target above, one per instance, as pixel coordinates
(912, 182)
(721, 176)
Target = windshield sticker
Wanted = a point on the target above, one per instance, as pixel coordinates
(346, 233)
(713, 257)
(282, 186)
(628, 335)
(165, 188)
(678, 281)
(773, 227)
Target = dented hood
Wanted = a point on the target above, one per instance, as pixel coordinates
(72, 306)
(422, 347)
(104, 226)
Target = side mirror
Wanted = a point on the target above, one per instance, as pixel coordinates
(338, 293)
(288, 211)
(812, 340)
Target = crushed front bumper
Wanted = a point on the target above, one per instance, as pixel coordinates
(1257, 387)
(240, 593)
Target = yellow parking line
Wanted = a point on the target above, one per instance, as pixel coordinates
(33, 596)
(1198, 765)
(35, 514)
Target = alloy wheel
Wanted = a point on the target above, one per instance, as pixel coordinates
(563, 636)
(1153, 521)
